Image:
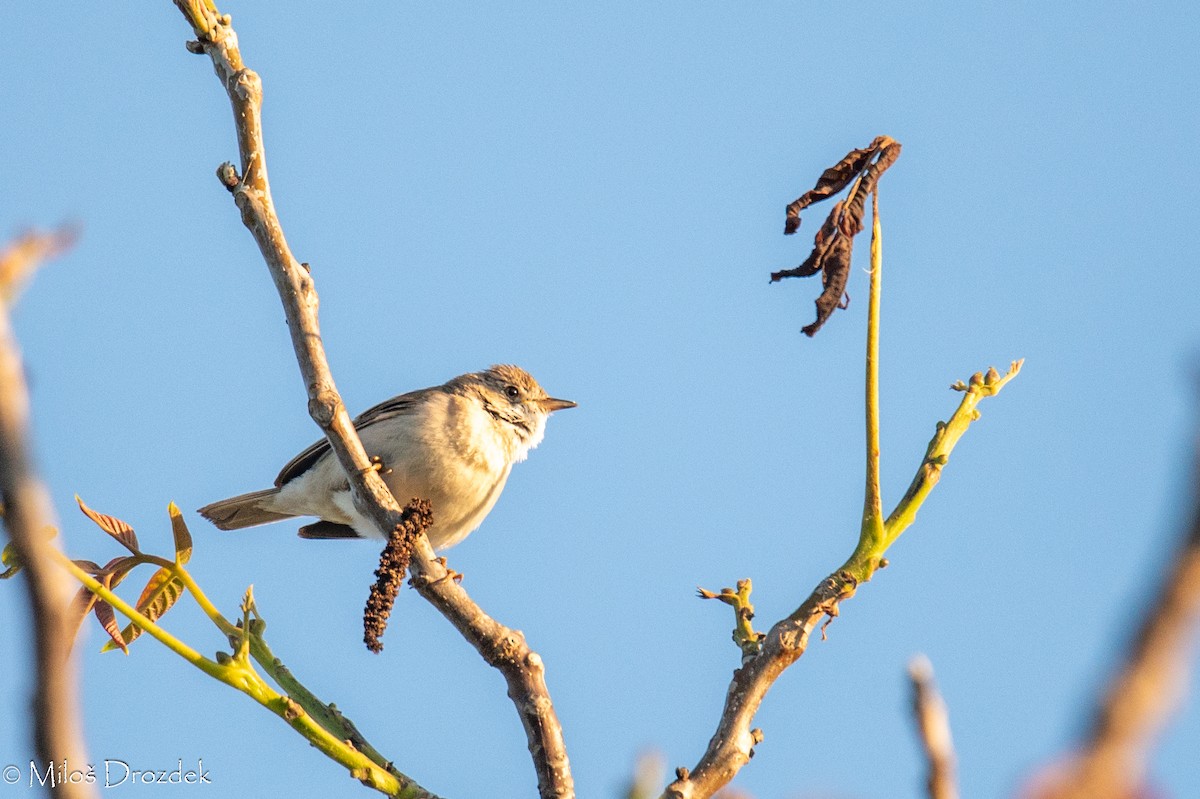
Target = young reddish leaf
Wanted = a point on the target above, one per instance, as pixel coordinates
(112, 525)
(90, 566)
(108, 621)
(116, 570)
(81, 606)
(183, 538)
(157, 597)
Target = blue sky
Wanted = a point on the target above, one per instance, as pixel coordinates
(597, 193)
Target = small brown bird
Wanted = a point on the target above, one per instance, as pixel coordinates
(452, 444)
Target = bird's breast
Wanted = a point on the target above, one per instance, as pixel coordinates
(453, 455)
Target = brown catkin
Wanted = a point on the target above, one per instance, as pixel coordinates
(393, 564)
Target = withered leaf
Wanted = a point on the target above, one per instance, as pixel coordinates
(832, 180)
(834, 242)
(852, 219)
(113, 526)
(183, 538)
(822, 244)
(834, 277)
(108, 621)
(159, 595)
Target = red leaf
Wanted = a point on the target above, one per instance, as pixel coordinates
(81, 606)
(108, 621)
(113, 526)
(157, 597)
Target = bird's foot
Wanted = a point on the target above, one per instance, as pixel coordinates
(450, 573)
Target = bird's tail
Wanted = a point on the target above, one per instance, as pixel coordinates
(244, 510)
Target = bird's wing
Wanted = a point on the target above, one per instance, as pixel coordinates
(388, 409)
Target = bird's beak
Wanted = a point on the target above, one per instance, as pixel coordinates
(550, 404)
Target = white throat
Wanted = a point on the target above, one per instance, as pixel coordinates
(528, 441)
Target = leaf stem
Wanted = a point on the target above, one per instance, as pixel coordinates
(209, 667)
(240, 674)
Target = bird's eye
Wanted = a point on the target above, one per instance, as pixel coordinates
(512, 391)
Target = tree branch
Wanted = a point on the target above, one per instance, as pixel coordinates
(1114, 760)
(500, 646)
(933, 726)
(29, 518)
(732, 745)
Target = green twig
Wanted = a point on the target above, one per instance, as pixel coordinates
(744, 635)
(948, 433)
(238, 672)
(872, 522)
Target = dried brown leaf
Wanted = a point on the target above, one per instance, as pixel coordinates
(113, 526)
(852, 219)
(834, 277)
(832, 180)
(833, 244)
(823, 242)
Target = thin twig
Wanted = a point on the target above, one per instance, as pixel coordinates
(237, 672)
(500, 646)
(1114, 761)
(872, 522)
(933, 728)
(29, 518)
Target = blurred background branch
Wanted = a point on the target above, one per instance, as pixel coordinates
(29, 520)
(1114, 759)
(933, 729)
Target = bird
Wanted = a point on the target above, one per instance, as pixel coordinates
(453, 445)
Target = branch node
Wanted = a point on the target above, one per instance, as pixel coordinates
(323, 405)
(194, 46)
(228, 175)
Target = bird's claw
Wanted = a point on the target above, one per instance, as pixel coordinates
(450, 573)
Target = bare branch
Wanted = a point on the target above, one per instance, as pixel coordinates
(29, 518)
(1114, 760)
(500, 646)
(933, 726)
(732, 745)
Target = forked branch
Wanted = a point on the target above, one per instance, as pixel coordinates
(763, 660)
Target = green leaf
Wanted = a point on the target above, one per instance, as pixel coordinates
(183, 538)
(157, 597)
(113, 526)
(11, 560)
